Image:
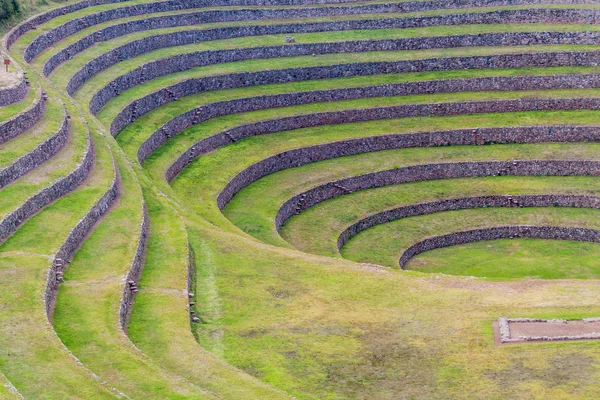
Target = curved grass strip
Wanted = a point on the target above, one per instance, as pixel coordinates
(48, 195)
(151, 43)
(317, 229)
(425, 172)
(41, 18)
(484, 136)
(20, 123)
(41, 132)
(164, 335)
(37, 20)
(294, 158)
(38, 156)
(215, 110)
(142, 106)
(48, 39)
(549, 200)
(135, 271)
(184, 62)
(76, 237)
(86, 316)
(502, 232)
(27, 338)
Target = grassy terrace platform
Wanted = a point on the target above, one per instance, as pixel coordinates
(228, 307)
(27, 338)
(28, 141)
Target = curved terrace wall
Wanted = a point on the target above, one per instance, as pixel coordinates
(20, 123)
(14, 93)
(36, 157)
(502, 232)
(549, 200)
(425, 172)
(75, 239)
(322, 152)
(144, 45)
(42, 18)
(214, 110)
(50, 38)
(183, 62)
(47, 196)
(135, 271)
(189, 87)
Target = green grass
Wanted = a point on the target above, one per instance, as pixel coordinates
(317, 229)
(86, 316)
(32, 138)
(276, 318)
(20, 45)
(501, 259)
(135, 134)
(384, 244)
(164, 335)
(65, 162)
(12, 110)
(115, 105)
(69, 68)
(326, 328)
(32, 357)
(200, 182)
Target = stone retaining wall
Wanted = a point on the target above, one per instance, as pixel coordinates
(47, 196)
(76, 238)
(214, 110)
(413, 173)
(141, 106)
(294, 158)
(459, 137)
(37, 20)
(501, 232)
(135, 271)
(183, 62)
(466, 203)
(13, 94)
(50, 38)
(36, 157)
(20, 123)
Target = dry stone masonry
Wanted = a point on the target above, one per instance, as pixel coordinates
(36, 157)
(143, 105)
(20, 123)
(47, 196)
(187, 61)
(413, 173)
(550, 200)
(501, 232)
(135, 272)
(214, 110)
(76, 238)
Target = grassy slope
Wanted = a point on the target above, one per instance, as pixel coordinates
(46, 174)
(323, 328)
(164, 335)
(33, 357)
(17, 108)
(63, 73)
(384, 244)
(29, 140)
(307, 61)
(87, 310)
(316, 230)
